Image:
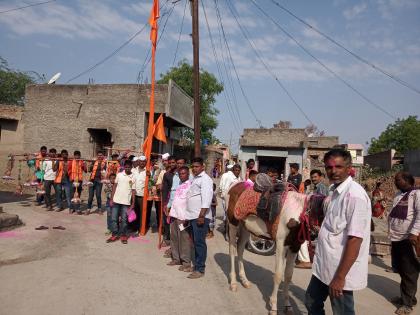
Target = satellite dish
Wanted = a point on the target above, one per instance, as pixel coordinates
(54, 78)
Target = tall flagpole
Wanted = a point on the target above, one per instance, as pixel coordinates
(196, 78)
(147, 149)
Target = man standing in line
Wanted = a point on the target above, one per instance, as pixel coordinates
(181, 245)
(122, 198)
(139, 178)
(62, 180)
(97, 168)
(341, 257)
(404, 230)
(49, 178)
(228, 178)
(198, 212)
(166, 190)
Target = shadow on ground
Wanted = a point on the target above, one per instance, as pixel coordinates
(8, 196)
(383, 286)
(263, 279)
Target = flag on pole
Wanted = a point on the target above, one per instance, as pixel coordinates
(159, 129)
(147, 146)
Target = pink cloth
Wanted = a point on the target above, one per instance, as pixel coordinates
(179, 204)
(249, 183)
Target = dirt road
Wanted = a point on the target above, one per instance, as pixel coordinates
(76, 272)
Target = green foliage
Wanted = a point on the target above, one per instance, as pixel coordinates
(367, 172)
(403, 135)
(12, 84)
(209, 89)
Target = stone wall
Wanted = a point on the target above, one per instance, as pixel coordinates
(61, 116)
(273, 137)
(382, 160)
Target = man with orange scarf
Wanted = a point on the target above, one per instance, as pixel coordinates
(76, 169)
(62, 180)
(97, 168)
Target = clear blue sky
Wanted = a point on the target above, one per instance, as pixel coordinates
(69, 36)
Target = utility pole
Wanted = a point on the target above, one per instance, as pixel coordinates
(196, 77)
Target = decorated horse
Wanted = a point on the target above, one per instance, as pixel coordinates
(276, 212)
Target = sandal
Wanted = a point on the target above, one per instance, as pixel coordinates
(42, 227)
(59, 227)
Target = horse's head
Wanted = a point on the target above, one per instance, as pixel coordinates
(316, 205)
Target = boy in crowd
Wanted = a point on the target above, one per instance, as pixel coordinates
(139, 174)
(62, 180)
(113, 166)
(39, 173)
(294, 177)
(76, 169)
(122, 199)
(108, 192)
(96, 179)
(49, 178)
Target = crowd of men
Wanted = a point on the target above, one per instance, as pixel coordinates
(187, 197)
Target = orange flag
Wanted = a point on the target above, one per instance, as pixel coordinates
(154, 16)
(159, 129)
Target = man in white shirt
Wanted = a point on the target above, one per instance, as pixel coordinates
(226, 181)
(139, 177)
(49, 178)
(340, 263)
(122, 199)
(404, 229)
(198, 213)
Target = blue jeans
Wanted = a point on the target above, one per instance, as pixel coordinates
(117, 211)
(66, 186)
(108, 214)
(317, 293)
(199, 233)
(96, 189)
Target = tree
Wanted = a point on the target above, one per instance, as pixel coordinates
(209, 89)
(283, 124)
(403, 135)
(12, 84)
(313, 130)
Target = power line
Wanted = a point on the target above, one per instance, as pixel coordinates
(237, 125)
(110, 55)
(358, 57)
(219, 18)
(258, 54)
(180, 32)
(27, 6)
(322, 64)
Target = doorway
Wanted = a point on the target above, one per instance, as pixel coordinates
(99, 138)
(266, 162)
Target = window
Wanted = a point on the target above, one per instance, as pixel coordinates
(359, 152)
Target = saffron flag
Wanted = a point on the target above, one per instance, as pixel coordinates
(154, 16)
(159, 129)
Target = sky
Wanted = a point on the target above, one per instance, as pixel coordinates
(70, 36)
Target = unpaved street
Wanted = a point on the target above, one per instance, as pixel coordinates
(75, 272)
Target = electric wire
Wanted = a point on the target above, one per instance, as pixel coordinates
(358, 57)
(219, 18)
(259, 56)
(237, 125)
(322, 64)
(26, 6)
(180, 33)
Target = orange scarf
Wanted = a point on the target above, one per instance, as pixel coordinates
(113, 168)
(95, 168)
(59, 174)
(76, 171)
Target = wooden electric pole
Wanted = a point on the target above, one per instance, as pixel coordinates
(196, 77)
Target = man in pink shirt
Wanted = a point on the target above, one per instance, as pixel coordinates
(181, 245)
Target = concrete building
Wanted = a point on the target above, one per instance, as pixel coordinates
(356, 151)
(91, 117)
(412, 162)
(278, 147)
(11, 132)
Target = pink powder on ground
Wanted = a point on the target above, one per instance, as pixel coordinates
(10, 234)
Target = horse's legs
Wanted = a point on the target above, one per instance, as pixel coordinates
(243, 239)
(277, 274)
(288, 273)
(232, 254)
